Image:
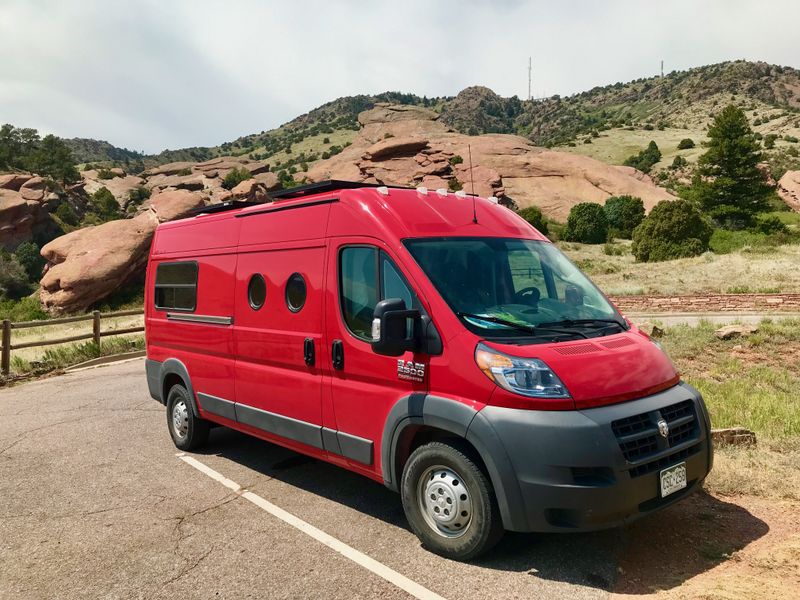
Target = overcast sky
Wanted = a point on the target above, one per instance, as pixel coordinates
(156, 74)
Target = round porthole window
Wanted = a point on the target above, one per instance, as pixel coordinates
(257, 291)
(295, 292)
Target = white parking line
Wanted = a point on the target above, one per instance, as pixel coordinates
(381, 570)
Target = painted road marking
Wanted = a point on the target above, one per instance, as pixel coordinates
(369, 563)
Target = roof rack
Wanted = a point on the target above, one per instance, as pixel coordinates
(330, 185)
(224, 206)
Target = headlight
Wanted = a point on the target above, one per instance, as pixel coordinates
(524, 376)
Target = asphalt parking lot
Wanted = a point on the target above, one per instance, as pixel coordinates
(95, 502)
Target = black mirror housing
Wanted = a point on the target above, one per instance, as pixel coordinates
(390, 328)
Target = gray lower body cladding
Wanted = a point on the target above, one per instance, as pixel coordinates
(596, 468)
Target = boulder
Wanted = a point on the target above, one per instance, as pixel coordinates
(120, 187)
(173, 168)
(13, 181)
(789, 189)
(88, 264)
(269, 179)
(733, 436)
(392, 147)
(34, 189)
(21, 219)
(252, 190)
(729, 332)
(651, 329)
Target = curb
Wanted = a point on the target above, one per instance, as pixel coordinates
(105, 360)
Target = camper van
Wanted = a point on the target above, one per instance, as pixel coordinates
(431, 341)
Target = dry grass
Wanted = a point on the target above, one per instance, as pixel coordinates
(761, 471)
(772, 269)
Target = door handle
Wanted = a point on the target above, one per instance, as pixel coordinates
(337, 354)
(308, 351)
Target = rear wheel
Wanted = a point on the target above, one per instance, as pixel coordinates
(188, 431)
(449, 501)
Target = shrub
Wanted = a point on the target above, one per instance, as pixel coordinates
(185, 172)
(533, 215)
(454, 185)
(235, 177)
(25, 309)
(685, 144)
(67, 214)
(456, 160)
(769, 141)
(679, 162)
(28, 256)
(586, 224)
(770, 224)
(790, 138)
(105, 174)
(623, 214)
(645, 160)
(673, 229)
(387, 135)
(13, 279)
(104, 205)
(138, 195)
(326, 140)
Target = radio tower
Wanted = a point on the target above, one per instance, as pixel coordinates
(662, 69)
(530, 68)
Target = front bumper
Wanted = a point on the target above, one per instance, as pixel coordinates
(594, 468)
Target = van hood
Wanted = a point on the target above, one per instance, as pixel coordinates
(604, 370)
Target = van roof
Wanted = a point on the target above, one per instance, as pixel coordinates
(389, 212)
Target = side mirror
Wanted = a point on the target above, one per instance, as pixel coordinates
(391, 335)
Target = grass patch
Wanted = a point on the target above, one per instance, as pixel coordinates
(724, 241)
(71, 354)
(750, 382)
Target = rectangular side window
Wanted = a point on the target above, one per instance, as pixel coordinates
(176, 286)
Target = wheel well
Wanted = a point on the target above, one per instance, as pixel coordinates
(414, 436)
(172, 379)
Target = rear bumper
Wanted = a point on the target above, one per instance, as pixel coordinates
(569, 470)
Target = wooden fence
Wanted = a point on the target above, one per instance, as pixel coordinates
(97, 334)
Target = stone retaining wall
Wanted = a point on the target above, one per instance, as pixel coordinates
(709, 303)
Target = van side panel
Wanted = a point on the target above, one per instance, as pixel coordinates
(271, 371)
(206, 349)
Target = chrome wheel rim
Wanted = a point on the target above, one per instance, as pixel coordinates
(180, 419)
(444, 501)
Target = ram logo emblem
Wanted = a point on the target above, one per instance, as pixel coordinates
(410, 371)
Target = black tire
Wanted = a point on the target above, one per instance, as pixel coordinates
(449, 464)
(192, 432)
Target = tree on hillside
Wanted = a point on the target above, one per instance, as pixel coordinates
(729, 186)
(586, 224)
(645, 160)
(623, 214)
(673, 229)
(52, 158)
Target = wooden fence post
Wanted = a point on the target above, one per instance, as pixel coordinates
(6, 359)
(96, 327)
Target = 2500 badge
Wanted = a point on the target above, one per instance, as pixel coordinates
(410, 370)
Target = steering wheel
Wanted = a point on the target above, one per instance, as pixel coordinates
(528, 295)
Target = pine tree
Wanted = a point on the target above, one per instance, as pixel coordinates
(729, 185)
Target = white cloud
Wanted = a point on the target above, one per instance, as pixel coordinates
(151, 74)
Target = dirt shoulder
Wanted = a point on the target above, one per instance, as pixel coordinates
(714, 547)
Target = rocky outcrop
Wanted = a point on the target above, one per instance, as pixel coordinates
(120, 185)
(13, 181)
(25, 204)
(789, 189)
(409, 146)
(86, 265)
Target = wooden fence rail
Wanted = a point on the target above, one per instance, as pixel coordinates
(97, 334)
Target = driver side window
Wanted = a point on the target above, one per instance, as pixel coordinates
(366, 276)
(526, 271)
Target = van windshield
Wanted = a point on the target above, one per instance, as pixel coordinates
(502, 287)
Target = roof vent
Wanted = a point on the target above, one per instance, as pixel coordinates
(493, 200)
(422, 190)
(441, 192)
(383, 190)
(461, 194)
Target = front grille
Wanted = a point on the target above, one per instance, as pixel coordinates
(640, 441)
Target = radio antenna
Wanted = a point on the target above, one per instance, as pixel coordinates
(472, 185)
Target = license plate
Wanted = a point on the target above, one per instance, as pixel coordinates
(673, 479)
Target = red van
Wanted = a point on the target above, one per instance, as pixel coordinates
(432, 341)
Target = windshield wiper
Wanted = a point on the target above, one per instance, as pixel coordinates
(604, 323)
(533, 329)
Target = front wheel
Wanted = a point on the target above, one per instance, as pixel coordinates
(449, 501)
(188, 431)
